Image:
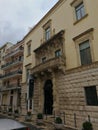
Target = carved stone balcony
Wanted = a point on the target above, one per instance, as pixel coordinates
(53, 63)
(14, 52)
(10, 64)
(56, 39)
(11, 74)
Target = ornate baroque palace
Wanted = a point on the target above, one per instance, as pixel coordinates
(61, 61)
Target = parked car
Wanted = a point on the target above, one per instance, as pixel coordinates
(9, 124)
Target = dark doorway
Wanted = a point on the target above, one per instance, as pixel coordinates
(48, 97)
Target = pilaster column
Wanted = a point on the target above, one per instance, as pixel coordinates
(1, 98)
(55, 95)
(38, 95)
(8, 100)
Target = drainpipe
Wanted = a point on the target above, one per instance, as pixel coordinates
(28, 101)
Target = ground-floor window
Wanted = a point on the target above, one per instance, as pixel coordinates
(91, 96)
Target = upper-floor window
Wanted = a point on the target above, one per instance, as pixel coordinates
(47, 33)
(80, 11)
(8, 83)
(20, 58)
(4, 83)
(91, 96)
(29, 49)
(84, 47)
(18, 82)
(47, 30)
(12, 91)
(85, 53)
(57, 53)
(43, 59)
(2, 57)
(12, 58)
(4, 50)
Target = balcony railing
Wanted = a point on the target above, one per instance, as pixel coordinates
(13, 52)
(10, 87)
(52, 63)
(11, 74)
(10, 64)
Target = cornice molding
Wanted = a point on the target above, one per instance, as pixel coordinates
(80, 35)
(48, 13)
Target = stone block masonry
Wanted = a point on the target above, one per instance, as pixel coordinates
(71, 94)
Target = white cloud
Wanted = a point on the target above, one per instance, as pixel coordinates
(16, 16)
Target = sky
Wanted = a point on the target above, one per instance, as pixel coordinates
(18, 16)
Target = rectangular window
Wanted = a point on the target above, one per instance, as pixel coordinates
(12, 91)
(29, 49)
(91, 96)
(4, 50)
(80, 11)
(4, 83)
(18, 82)
(27, 74)
(43, 59)
(8, 83)
(20, 58)
(58, 53)
(85, 54)
(47, 33)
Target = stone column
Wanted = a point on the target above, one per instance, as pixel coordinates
(55, 95)
(37, 95)
(40, 95)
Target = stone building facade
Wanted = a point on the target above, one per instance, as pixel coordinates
(3, 49)
(11, 78)
(61, 54)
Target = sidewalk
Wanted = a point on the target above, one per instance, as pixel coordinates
(46, 125)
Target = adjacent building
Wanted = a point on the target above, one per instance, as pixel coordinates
(11, 77)
(61, 55)
(3, 49)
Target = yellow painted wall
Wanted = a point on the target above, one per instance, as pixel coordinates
(62, 17)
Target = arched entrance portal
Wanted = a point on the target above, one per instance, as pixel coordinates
(48, 97)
